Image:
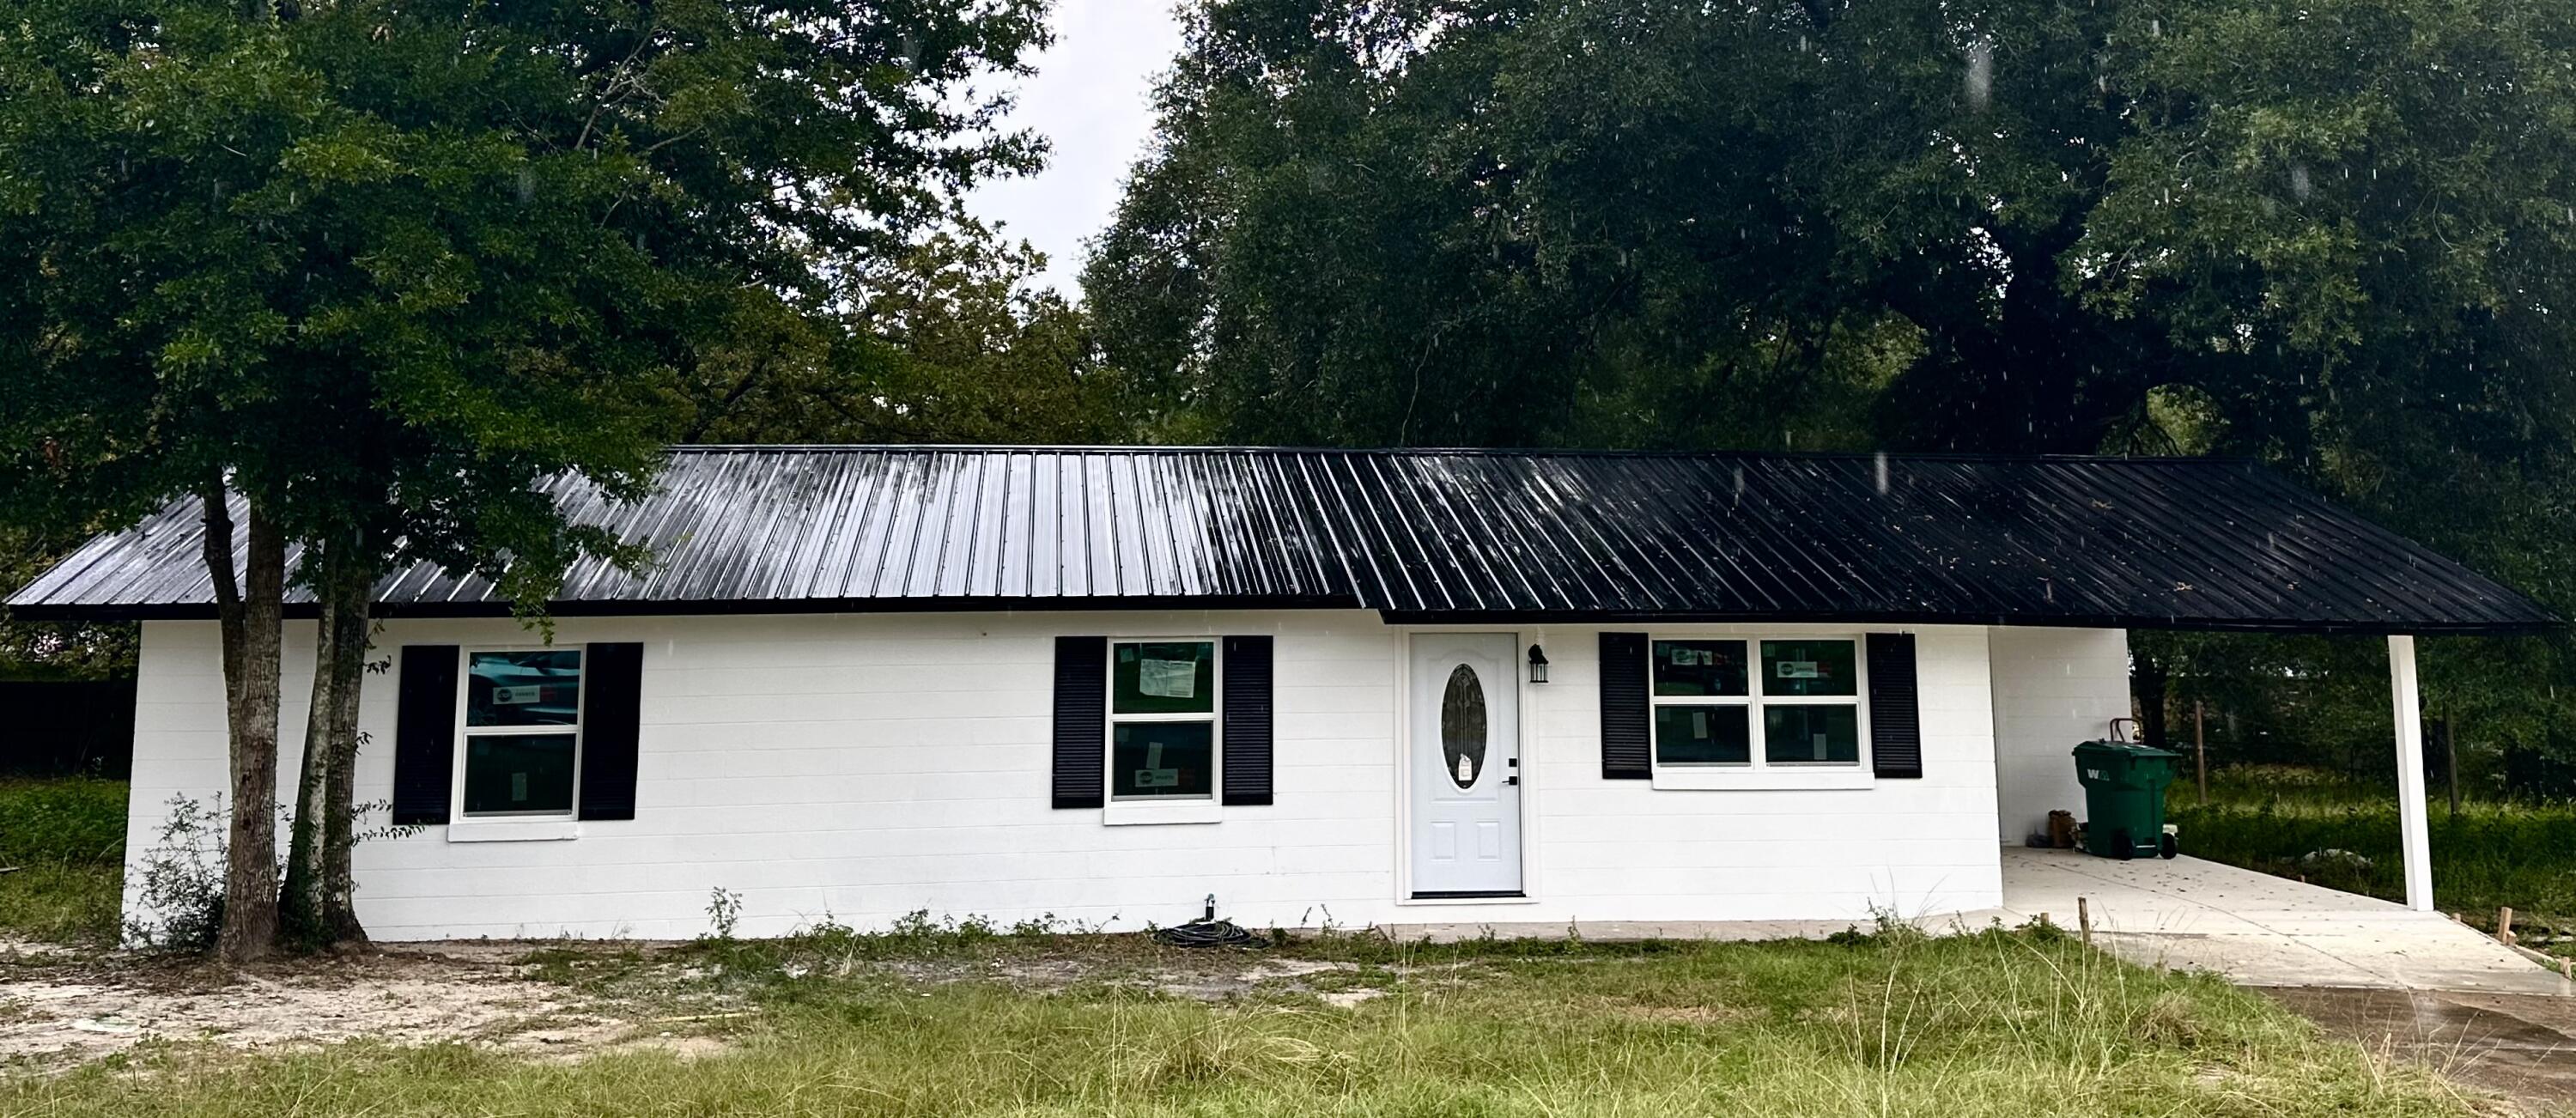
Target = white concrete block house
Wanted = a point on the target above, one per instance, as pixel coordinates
(1352, 687)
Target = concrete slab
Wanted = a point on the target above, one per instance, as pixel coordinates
(2253, 928)
(2262, 930)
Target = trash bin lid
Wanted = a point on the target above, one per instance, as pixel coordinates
(2128, 748)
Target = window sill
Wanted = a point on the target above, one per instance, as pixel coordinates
(1759, 780)
(513, 830)
(1409, 901)
(1132, 813)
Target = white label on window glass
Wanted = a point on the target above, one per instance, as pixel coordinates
(1154, 775)
(517, 696)
(1699, 723)
(1466, 769)
(518, 788)
(1168, 679)
(1799, 669)
(1684, 657)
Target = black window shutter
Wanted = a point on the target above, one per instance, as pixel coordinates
(611, 721)
(1626, 738)
(1895, 725)
(1247, 721)
(1081, 720)
(425, 734)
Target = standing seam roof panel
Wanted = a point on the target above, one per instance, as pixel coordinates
(1457, 536)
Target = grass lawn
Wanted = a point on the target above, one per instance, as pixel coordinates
(2270, 818)
(66, 839)
(2006, 1024)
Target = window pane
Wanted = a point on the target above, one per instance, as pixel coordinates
(1828, 734)
(512, 773)
(1152, 760)
(523, 688)
(1699, 667)
(1702, 736)
(1175, 677)
(1808, 668)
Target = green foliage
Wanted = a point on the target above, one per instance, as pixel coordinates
(1994, 1023)
(943, 343)
(388, 265)
(1997, 227)
(72, 819)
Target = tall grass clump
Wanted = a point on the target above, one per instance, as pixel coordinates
(62, 841)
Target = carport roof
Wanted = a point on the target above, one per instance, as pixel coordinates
(1440, 536)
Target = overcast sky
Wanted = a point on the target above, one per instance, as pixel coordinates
(1090, 99)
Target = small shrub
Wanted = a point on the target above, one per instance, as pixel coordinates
(724, 910)
(180, 880)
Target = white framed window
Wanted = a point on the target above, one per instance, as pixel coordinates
(1732, 710)
(1166, 748)
(518, 749)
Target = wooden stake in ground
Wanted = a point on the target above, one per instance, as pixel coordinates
(2451, 758)
(2084, 919)
(2504, 925)
(2200, 749)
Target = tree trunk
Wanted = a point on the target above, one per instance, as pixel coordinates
(250, 615)
(346, 599)
(299, 901)
(2148, 683)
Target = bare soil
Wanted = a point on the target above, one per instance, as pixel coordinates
(59, 1008)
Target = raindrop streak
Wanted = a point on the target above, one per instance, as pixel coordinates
(1981, 73)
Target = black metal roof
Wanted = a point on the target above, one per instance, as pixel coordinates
(1443, 536)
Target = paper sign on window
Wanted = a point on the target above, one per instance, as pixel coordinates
(517, 696)
(1154, 775)
(1168, 679)
(1799, 669)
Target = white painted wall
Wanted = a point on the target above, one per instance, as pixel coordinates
(2053, 688)
(864, 767)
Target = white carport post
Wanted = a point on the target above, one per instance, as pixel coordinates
(2413, 832)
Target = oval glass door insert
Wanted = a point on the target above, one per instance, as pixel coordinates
(1462, 726)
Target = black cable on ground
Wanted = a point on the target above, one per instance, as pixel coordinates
(1208, 933)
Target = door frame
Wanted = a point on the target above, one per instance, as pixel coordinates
(1524, 694)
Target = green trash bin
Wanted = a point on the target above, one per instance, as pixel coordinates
(2124, 798)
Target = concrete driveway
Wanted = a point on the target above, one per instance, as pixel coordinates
(2260, 930)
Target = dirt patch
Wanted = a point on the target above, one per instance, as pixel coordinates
(553, 1001)
(58, 1011)
(2521, 1046)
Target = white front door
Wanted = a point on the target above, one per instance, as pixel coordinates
(1466, 765)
